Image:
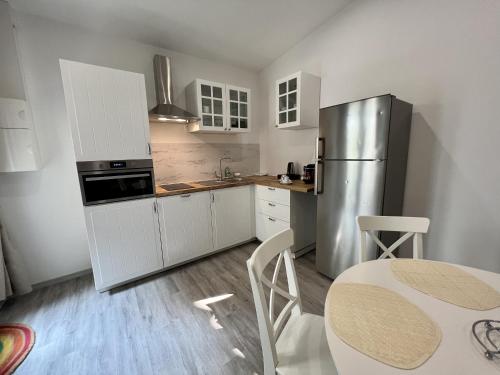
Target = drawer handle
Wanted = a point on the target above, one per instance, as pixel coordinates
(270, 188)
(271, 219)
(185, 195)
(271, 204)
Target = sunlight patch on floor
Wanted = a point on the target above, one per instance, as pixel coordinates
(202, 304)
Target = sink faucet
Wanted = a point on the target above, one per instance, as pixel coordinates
(220, 176)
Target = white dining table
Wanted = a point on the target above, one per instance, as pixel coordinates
(458, 353)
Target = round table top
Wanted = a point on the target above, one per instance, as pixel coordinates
(459, 353)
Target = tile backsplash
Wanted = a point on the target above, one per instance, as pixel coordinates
(184, 162)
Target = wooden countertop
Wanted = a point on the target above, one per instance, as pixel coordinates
(271, 181)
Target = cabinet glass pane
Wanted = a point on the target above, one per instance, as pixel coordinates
(282, 118)
(218, 121)
(206, 90)
(292, 100)
(206, 105)
(292, 84)
(218, 107)
(282, 88)
(282, 103)
(243, 110)
(292, 116)
(233, 95)
(243, 123)
(233, 108)
(217, 92)
(234, 122)
(207, 120)
(243, 96)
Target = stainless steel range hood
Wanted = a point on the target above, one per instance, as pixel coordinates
(165, 110)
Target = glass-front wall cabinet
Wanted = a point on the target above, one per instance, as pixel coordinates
(297, 101)
(221, 107)
(239, 108)
(287, 101)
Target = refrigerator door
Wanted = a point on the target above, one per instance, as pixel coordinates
(350, 188)
(357, 130)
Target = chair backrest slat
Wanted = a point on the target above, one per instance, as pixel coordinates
(413, 226)
(270, 328)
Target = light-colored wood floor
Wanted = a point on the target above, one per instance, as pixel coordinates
(152, 326)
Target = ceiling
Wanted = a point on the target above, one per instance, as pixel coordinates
(245, 33)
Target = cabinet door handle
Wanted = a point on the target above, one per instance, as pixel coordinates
(149, 148)
(271, 219)
(155, 207)
(270, 188)
(185, 195)
(271, 204)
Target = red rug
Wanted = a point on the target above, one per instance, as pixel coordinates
(16, 341)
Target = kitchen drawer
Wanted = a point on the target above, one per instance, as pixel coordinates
(271, 194)
(267, 226)
(276, 210)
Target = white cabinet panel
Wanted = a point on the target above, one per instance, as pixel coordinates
(267, 226)
(14, 114)
(233, 216)
(107, 111)
(18, 150)
(185, 225)
(124, 241)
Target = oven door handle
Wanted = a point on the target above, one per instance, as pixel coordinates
(116, 177)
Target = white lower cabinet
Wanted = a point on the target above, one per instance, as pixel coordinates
(185, 226)
(278, 209)
(232, 216)
(124, 241)
(267, 226)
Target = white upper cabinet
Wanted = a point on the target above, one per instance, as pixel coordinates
(238, 108)
(222, 108)
(107, 111)
(18, 144)
(233, 216)
(297, 101)
(185, 226)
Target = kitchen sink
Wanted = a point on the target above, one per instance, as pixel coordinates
(219, 182)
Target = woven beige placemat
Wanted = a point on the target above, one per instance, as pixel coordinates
(446, 282)
(382, 324)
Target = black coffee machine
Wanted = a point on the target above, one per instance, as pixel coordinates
(309, 171)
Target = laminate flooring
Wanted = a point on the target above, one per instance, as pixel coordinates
(154, 326)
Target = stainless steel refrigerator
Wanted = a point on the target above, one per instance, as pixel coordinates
(361, 157)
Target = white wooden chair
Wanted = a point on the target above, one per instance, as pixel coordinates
(294, 342)
(413, 226)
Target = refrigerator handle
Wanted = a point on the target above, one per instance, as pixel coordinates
(318, 181)
(320, 145)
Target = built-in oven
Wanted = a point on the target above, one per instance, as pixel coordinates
(115, 180)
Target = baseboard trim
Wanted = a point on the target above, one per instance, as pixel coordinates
(61, 279)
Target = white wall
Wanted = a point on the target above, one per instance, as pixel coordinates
(442, 56)
(43, 210)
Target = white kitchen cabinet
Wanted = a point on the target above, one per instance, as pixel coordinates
(238, 109)
(207, 100)
(185, 226)
(124, 241)
(232, 216)
(18, 144)
(278, 209)
(107, 111)
(297, 101)
(222, 108)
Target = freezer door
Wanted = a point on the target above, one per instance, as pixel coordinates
(357, 130)
(350, 188)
